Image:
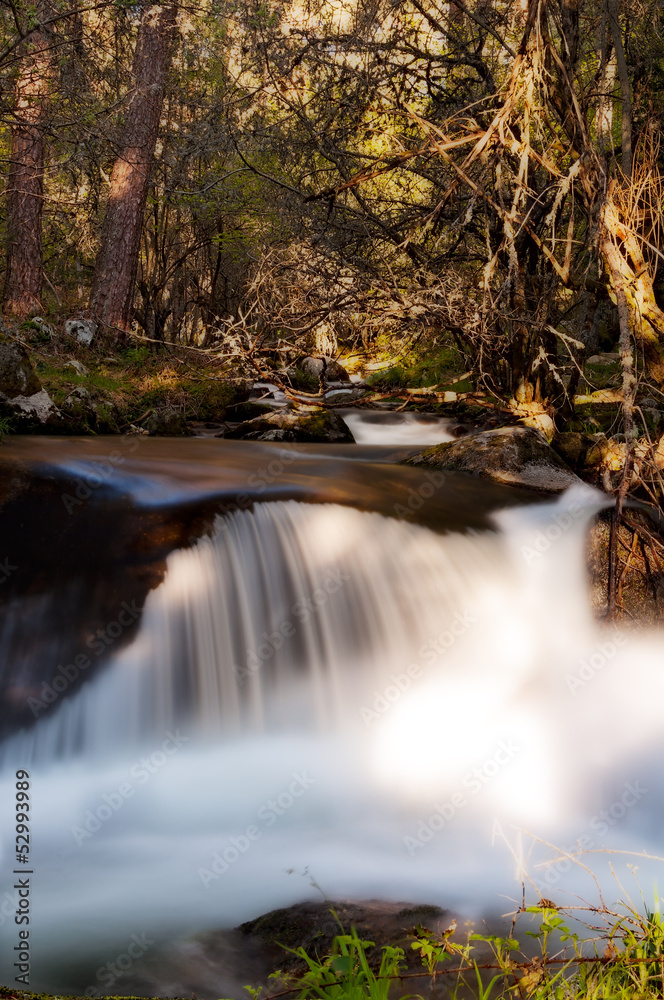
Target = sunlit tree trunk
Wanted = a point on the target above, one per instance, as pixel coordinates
(117, 262)
(25, 191)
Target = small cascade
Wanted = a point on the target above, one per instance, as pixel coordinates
(286, 616)
(320, 695)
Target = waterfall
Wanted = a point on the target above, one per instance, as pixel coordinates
(320, 693)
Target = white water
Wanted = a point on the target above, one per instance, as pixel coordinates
(407, 429)
(364, 728)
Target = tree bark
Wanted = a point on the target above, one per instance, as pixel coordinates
(633, 287)
(625, 86)
(117, 262)
(25, 193)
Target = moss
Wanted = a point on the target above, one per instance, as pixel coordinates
(303, 381)
(418, 371)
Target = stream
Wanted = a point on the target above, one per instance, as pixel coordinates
(240, 675)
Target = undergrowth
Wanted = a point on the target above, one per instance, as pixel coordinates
(417, 369)
(620, 956)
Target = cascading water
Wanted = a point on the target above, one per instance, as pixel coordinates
(318, 689)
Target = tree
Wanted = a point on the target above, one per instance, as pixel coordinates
(117, 262)
(25, 190)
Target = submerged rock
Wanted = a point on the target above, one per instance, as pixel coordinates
(307, 424)
(520, 456)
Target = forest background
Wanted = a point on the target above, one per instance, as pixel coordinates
(470, 192)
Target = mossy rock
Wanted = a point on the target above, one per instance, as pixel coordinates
(86, 411)
(211, 399)
(307, 424)
(520, 456)
(17, 376)
(166, 421)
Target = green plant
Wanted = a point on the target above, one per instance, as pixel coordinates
(5, 427)
(623, 961)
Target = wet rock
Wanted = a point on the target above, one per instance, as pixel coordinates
(314, 926)
(83, 330)
(520, 456)
(306, 424)
(334, 372)
(166, 421)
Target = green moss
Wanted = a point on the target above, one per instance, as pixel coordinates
(419, 371)
(303, 381)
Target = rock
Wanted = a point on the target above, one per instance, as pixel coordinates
(216, 395)
(334, 372)
(166, 421)
(77, 366)
(313, 926)
(17, 376)
(581, 451)
(519, 456)
(21, 395)
(247, 411)
(83, 330)
(85, 412)
(27, 411)
(44, 329)
(306, 424)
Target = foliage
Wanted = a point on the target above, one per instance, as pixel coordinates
(622, 960)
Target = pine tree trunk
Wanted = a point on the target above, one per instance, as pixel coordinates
(117, 262)
(25, 192)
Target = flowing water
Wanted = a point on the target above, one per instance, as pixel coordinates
(316, 697)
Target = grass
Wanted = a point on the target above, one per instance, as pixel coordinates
(620, 959)
(133, 382)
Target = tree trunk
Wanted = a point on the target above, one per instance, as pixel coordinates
(625, 86)
(632, 285)
(117, 262)
(25, 193)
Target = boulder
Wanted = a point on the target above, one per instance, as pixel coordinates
(519, 456)
(21, 395)
(17, 376)
(83, 330)
(85, 411)
(166, 421)
(311, 423)
(27, 412)
(334, 372)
